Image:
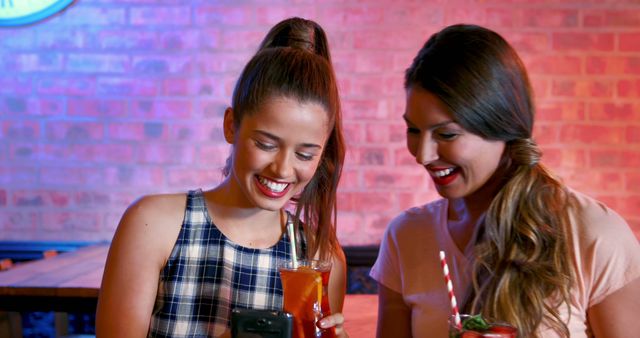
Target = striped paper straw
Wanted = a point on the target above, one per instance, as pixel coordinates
(452, 296)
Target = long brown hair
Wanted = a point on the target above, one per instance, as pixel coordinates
(307, 77)
(316, 205)
(521, 271)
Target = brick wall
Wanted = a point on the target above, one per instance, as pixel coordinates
(115, 99)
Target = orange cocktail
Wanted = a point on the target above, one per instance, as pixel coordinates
(305, 296)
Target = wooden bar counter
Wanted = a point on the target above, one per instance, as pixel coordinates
(70, 282)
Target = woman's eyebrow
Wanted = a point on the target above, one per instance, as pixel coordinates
(266, 134)
(276, 138)
(431, 127)
(406, 119)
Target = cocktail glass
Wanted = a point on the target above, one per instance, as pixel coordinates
(494, 329)
(305, 288)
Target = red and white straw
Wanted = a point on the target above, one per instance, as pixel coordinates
(452, 296)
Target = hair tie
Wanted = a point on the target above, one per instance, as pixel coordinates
(301, 43)
(525, 152)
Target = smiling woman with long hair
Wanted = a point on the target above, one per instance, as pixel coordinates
(180, 263)
(523, 248)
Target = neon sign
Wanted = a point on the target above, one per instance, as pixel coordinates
(24, 12)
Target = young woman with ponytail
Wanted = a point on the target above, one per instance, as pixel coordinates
(180, 263)
(521, 246)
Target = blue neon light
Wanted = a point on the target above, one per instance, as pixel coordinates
(52, 9)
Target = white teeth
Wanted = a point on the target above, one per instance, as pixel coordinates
(442, 173)
(273, 186)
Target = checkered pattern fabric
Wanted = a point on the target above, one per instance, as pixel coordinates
(207, 276)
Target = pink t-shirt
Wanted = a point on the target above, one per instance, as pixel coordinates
(606, 256)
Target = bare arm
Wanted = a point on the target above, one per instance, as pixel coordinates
(394, 316)
(338, 281)
(615, 316)
(138, 252)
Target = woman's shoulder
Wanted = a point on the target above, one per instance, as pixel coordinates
(418, 217)
(607, 250)
(594, 215)
(158, 206)
(429, 210)
(155, 217)
(600, 230)
(171, 200)
(147, 231)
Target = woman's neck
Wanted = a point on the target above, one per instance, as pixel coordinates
(245, 224)
(465, 213)
(479, 201)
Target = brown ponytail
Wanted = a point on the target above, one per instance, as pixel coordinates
(298, 33)
(522, 271)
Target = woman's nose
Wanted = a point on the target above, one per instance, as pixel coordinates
(282, 164)
(427, 151)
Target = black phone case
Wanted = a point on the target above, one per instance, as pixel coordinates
(251, 323)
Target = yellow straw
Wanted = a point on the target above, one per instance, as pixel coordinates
(319, 285)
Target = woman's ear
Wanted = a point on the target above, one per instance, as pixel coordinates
(229, 127)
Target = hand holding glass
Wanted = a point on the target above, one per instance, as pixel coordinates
(305, 286)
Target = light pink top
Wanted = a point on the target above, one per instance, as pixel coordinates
(606, 256)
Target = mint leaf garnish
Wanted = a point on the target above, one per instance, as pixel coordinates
(475, 323)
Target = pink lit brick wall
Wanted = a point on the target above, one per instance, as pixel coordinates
(115, 99)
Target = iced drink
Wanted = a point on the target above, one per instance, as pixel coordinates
(306, 296)
(477, 327)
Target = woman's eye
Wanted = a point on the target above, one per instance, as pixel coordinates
(411, 130)
(265, 146)
(305, 156)
(447, 136)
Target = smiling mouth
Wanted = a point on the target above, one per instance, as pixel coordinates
(444, 176)
(442, 173)
(276, 187)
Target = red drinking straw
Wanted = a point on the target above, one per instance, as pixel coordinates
(452, 296)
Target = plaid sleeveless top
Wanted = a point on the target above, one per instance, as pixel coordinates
(207, 275)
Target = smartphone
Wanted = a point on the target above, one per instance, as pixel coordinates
(251, 323)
